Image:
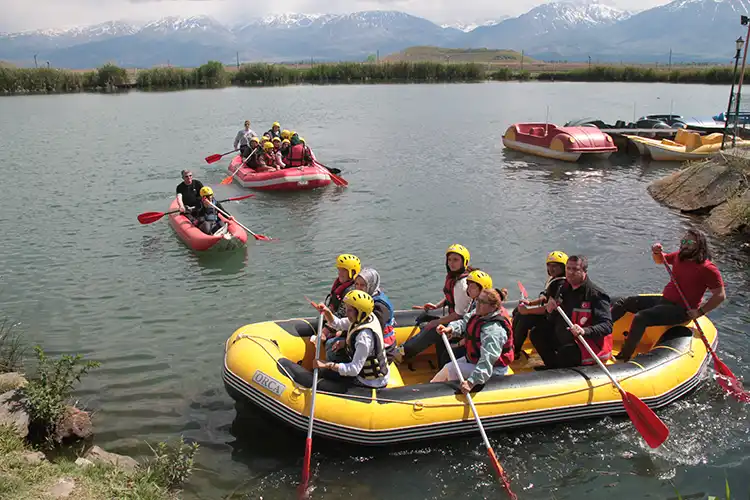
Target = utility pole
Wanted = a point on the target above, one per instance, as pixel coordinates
(47, 64)
(377, 56)
(589, 64)
(670, 59)
(35, 64)
(745, 21)
(522, 55)
(238, 59)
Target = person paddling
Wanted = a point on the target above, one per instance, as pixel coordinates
(188, 193)
(299, 155)
(694, 273)
(275, 130)
(242, 139)
(207, 213)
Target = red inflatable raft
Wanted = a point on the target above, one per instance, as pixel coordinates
(288, 179)
(560, 143)
(231, 237)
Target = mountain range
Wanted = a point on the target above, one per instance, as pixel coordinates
(694, 30)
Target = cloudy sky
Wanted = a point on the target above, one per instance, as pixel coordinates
(18, 15)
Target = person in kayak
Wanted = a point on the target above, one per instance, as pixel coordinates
(275, 130)
(694, 273)
(188, 193)
(366, 362)
(206, 215)
(588, 308)
(488, 342)
(368, 280)
(269, 157)
(455, 299)
(531, 313)
(299, 155)
(242, 139)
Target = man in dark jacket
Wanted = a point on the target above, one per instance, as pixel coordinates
(588, 308)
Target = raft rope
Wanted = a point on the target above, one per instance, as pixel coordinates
(418, 405)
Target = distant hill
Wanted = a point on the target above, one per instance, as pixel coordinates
(6, 64)
(439, 54)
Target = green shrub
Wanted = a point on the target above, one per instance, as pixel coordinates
(171, 466)
(109, 74)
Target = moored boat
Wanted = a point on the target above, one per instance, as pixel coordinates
(268, 363)
(559, 143)
(288, 179)
(687, 145)
(231, 236)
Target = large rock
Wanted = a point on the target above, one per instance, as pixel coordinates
(74, 424)
(96, 454)
(731, 216)
(11, 381)
(13, 414)
(702, 185)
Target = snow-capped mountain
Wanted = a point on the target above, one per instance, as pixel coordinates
(572, 29)
(467, 27)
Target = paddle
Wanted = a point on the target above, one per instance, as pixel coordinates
(259, 237)
(336, 171)
(303, 493)
(727, 380)
(339, 181)
(228, 180)
(522, 289)
(498, 468)
(151, 217)
(653, 430)
(217, 157)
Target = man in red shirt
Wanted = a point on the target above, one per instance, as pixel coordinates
(694, 272)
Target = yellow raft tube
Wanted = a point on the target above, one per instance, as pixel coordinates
(687, 145)
(268, 365)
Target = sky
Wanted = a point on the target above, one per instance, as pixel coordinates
(20, 15)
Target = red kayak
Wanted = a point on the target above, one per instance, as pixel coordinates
(229, 237)
(288, 179)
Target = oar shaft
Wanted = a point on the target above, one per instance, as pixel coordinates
(591, 352)
(235, 220)
(315, 378)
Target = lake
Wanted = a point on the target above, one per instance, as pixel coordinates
(426, 169)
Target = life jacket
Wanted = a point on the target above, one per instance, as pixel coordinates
(210, 214)
(474, 337)
(273, 134)
(296, 156)
(602, 346)
(376, 365)
(338, 290)
(550, 280)
(389, 330)
(450, 284)
(269, 159)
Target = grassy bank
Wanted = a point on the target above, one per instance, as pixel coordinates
(214, 74)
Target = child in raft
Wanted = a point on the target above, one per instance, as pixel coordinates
(207, 213)
(488, 342)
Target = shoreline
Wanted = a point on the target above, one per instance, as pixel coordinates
(111, 78)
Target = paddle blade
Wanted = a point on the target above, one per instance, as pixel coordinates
(262, 237)
(149, 217)
(502, 477)
(213, 158)
(338, 180)
(238, 198)
(727, 380)
(522, 289)
(226, 180)
(646, 422)
(302, 491)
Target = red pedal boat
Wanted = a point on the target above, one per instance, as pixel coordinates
(288, 179)
(559, 143)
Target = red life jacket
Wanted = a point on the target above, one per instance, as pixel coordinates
(337, 294)
(474, 338)
(269, 159)
(602, 346)
(296, 156)
(450, 283)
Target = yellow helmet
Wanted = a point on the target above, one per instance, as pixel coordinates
(206, 191)
(266, 137)
(302, 140)
(268, 145)
(460, 250)
(361, 301)
(254, 139)
(276, 124)
(285, 134)
(275, 139)
(557, 257)
(286, 141)
(481, 278)
(349, 262)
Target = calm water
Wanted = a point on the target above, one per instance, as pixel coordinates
(427, 168)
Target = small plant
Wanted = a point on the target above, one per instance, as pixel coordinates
(171, 466)
(46, 395)
(12, 348)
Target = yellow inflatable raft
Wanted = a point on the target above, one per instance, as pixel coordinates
(687, 145)
(268, 365)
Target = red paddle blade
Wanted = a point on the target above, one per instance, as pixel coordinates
(731, 384)
(149, 217)
(653, 430)
(302, 490)
(226, 180)
(262, 237)
(213, 158)
(338, 180)
(522, 289)
(502, 477)
(238, 198)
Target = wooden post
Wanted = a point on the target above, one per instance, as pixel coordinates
(739, 89)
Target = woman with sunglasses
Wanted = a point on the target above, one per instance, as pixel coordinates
(488, 342)
(694, 273)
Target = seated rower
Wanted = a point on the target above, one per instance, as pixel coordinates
(529, 314)
(188, 193)
(489, 342)
(284, 150)
(308, 150)
(367, 281)
(299, 155)
(285, 134)
(348, 267)
(257, 160)
(275, 130)
(207, 214)
(366, 363)
(269, 157)
(588, 308)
